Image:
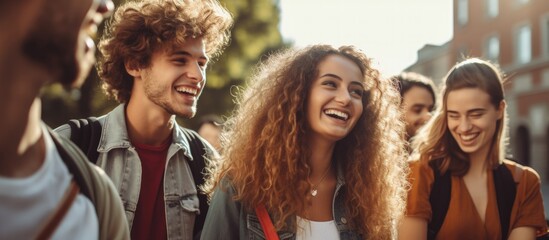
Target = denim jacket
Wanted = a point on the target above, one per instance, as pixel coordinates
(119, 159)
(228, 219)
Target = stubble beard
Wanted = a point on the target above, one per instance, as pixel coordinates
(155, 94)
(165, 104)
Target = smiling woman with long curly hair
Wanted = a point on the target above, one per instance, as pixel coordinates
(316, 139)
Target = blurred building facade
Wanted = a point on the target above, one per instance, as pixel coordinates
(433, 61)
(515, 35)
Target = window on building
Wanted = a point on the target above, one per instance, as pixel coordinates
(523, 44)
(463, 13)
(491, 48)
(492, 8)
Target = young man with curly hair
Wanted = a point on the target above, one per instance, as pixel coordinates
(155, 55)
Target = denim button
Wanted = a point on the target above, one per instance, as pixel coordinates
(344, 220)
(172, 204)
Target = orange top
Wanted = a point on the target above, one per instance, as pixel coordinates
(462, 219)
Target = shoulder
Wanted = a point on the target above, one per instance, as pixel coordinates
(226, 218)
(223, 197)
(100, 176)
(223, 201)
(66, 129)
(105, 198)
(191, 135)
(226, 187)
(418, 164)
(89, 174)
(522, 174)
(63, 130)
(421, 169)
(421, 179)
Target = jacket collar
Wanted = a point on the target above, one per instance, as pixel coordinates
(115, 134)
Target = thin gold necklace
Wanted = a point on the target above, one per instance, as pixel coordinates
(314, 188)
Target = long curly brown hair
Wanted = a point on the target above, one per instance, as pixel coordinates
(266, 155)
(138, 29)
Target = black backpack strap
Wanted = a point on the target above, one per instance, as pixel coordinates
(439, 199)
(506, 191)
(86, 134)
(441, 192)
(198, 166)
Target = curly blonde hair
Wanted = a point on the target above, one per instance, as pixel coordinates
(435, 144)
(138, 29)
(266, 152)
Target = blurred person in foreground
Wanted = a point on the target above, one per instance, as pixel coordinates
(155, 56)
(47, 187)
(462, 185)
(315, 142)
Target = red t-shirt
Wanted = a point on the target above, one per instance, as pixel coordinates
(150, 216)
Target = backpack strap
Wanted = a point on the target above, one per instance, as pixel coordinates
(86, 134)
(439, 199)
(198, 166)
(441, 192)
(506, 191)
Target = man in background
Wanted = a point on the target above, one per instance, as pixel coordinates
(418, 100)
(210, 129)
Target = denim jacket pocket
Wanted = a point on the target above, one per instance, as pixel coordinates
(255, 231)
(189, 203)
(182, 211)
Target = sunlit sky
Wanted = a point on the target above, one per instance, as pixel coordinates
(389, 31)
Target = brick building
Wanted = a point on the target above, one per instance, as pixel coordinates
(514, 34)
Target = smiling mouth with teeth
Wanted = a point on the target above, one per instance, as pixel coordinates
(187, 90)
(468, 137)
(337, 114)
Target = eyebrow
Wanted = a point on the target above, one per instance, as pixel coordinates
(469, 111)
(422, 105)
(339, 78)
(185, 53)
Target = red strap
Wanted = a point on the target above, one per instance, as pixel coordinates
(266, 223)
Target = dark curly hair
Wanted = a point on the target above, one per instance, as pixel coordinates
(140, 28)
(406, 80)
(265, 148)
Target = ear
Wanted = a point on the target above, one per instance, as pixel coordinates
(132, 69)
(501, 109)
